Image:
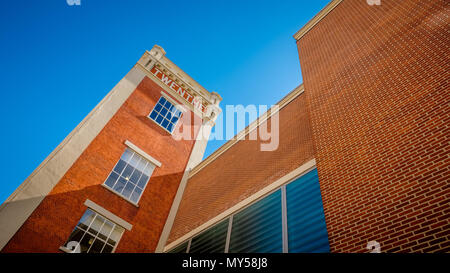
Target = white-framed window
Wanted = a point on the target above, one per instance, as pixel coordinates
(165, 114)
(94, 233)
(130, 176)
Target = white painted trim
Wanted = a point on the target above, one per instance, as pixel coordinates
(106, 213)
(227, 240)
(175, 103)
(142, 153)
(316, 19)
(172, 213)
(246, 202)
(284, 219)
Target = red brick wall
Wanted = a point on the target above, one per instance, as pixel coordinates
(51, 223)
(243, 170)
(377, 82)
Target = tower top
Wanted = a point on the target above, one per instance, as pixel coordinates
(180, 84)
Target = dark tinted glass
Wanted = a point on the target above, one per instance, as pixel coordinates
(211, 240)
(258, 228)
(307, 231)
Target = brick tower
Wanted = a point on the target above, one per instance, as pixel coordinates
(109, 186)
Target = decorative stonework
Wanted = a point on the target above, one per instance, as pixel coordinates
(178, 84)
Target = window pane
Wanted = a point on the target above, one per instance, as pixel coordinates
(115, 235)
(258, 228)
(142, 164)
(127, 190)
(107, 249)
(96, 225)
(127, 155)
(143, 181)
(307, 231)
(170, 127)
(180, 249)
(128, 171)
(106, 230)
(120, 184)
(162, 100)
(135, 160)
(211, 240)
(149, 169)
(168, 105)
(135, 176)
(158, 108)
(119, 166)
(86, 242)
(86, 219)
(164, 123)
(153, 115)
(111, 179)
(163, 112)
(159, 119)
(76, 236)
(136, 194)
(97, 246)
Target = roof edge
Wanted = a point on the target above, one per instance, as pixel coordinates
(283, 102)
(316, 19)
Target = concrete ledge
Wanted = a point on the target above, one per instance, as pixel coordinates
(111, 216)
(142, 153)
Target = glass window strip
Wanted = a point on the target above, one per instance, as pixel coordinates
(323, 236)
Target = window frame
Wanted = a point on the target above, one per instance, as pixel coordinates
(67, 250)
(111, 189)
(174, 104)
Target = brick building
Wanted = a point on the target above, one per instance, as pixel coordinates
(362, 162)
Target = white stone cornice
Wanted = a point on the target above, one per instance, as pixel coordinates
(156, 57)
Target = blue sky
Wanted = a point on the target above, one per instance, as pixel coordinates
(58, 61)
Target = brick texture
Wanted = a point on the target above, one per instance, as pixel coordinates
(51, 223)
(377, 84)
(243, 169)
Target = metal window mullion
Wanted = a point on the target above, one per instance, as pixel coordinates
(227, 242)
(284, 220)
(188, 248)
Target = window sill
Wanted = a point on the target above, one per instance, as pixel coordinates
(113, 191)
